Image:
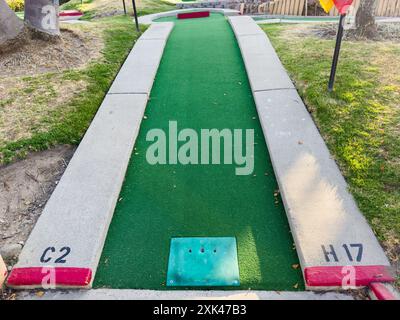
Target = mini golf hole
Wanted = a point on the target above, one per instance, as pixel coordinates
(203, 262)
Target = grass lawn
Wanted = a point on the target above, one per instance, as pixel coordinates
(359, 120)
(43, 109)
(51, 120)
(91, 8)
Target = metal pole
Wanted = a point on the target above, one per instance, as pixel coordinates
(123, 2)
(135, 14)
(339, 38)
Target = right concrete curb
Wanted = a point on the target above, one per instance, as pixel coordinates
(335, 244)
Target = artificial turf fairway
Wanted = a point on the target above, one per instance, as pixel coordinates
(201, 83)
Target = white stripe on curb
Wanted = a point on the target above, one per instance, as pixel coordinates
(68, 238)
(128, 294)
(329, 230)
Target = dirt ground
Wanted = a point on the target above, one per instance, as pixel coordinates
(74, 49)
(25, 187)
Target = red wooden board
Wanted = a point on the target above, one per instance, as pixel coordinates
(191, 15)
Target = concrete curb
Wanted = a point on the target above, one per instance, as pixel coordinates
(128, 294)
(334, 242)
(65, 245)
(143, 61)
(259, 56)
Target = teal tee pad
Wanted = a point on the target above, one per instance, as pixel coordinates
(203, 262)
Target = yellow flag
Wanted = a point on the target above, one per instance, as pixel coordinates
(327, 5)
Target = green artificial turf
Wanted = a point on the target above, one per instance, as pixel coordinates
(201, 83)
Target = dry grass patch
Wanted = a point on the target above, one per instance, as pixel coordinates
(51, 91)
(104, 8)
(34, 86)
(76, 47)
(28, 104)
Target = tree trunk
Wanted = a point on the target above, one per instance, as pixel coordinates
(11, 27)
(365, 19)
(42, 16)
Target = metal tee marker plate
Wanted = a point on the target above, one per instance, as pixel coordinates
(203, 262)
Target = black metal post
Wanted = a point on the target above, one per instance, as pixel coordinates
(123, 2)
(135, 14)
(339, 38)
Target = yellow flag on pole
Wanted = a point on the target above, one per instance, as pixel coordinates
(327, 5)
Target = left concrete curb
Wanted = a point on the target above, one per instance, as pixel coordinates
(65, 245)
(139, 69)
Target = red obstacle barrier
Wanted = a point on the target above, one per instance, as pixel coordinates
(191, 15)
(70, 15)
